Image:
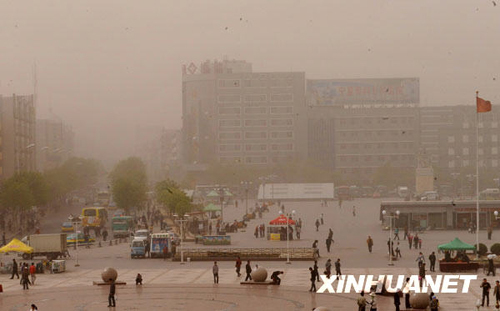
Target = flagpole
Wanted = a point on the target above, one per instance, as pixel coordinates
(477, 179)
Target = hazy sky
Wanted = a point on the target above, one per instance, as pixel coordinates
(107, 67)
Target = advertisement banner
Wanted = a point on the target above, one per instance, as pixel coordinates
(331, 92)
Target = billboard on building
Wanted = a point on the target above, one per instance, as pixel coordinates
(331, 92)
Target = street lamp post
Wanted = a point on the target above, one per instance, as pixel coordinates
(221, 194)
(75, 221)
(496, 215)
(288, 235)
(181, 221)
(246, 184)
(390, 217)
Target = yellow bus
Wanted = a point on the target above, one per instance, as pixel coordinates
(94, 216)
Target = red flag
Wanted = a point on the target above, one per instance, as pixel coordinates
(483, 105)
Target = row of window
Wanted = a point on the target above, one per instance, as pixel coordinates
(377, 120)
(394, 145)
(372, 133)
(256, 135)
(256, 147)
(256, 110)
(254, 83)
(255, 159)
(255, 122)
(465, 138)
(254, 98)
(465, 151)
(378, 158)
(466, 163)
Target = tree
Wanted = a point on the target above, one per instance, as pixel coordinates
(129, 183)
(172, 197)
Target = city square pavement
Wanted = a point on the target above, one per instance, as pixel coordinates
(190, 286)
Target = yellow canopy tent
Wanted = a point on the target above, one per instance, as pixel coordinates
(16, 246)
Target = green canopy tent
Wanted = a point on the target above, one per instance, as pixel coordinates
(456, 245)
(213, 194)
(212, 208)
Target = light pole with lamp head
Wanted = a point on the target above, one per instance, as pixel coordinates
(288, 217)
(181, 221)
(76, 221)
(390, 217)
(246, 184)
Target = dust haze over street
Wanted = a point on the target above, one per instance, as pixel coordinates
(199, 132)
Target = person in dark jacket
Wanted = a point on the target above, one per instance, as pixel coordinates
(14, 269)
(432, 260)
(112, 291)
(397, 299)
(486, 292)
(138, 279)
(314, 275)
(248, 268)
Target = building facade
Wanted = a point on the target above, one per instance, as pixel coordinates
(243, 118)
(357, 126)
(54, 143)
(18, 127)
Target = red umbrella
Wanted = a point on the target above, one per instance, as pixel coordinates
(282, 220)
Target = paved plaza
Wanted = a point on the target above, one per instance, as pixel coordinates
(171, 286)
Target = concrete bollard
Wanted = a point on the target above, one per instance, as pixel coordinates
(100, 244)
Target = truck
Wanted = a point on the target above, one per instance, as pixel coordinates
(50, 245)
(121, 226)
(158, 242)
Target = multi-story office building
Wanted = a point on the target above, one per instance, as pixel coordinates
(357, 126)
(457, 141)
(54, 143)
(18, 135)
(232, 115)
(432, 120)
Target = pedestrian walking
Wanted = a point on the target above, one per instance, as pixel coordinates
(112, 292)
(215, 271)
(373, 302)
(410, 240)
(315, 247)
(330, 233)
(317, 225)
(490, 232)
(353, 211)
(256, 233)
(415, 241)
(165, 252)
(396, 233)
(297, 231)
(397, 299)
(313, 279)
(337, 268)
(432, 260)
(420, 259)
(138, 279)
(14, 269)
(328, 268)
(248, 268)
(33, 273)
(398, 251)
(421, 274)
(406, 233)
(361, 302)
(419, 243)
(491, 267)
(238, 266)
(25, 281)
(321, 218)
(496, 292)
(315, 268)
(486, 292)
(369, 242)
(328, 244)
(407, 294)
